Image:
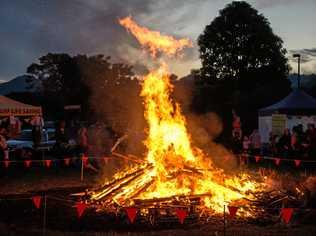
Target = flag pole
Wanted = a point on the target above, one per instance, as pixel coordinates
(44, 216)
(81, 176)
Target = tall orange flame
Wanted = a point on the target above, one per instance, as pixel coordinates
(153, 40)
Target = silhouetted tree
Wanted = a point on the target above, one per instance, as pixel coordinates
(243, 63)
(240, 44)
(106, 91)
(62, 82)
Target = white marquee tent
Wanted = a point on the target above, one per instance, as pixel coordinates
(297, 108)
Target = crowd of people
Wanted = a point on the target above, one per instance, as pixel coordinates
(95, 139)
(75, 138)
(295, 143)
(72, 138)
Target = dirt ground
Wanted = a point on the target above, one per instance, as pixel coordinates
(18, 215)
(21, 181)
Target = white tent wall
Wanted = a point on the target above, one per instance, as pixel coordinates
(265, 127)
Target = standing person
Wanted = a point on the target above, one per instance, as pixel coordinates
(72, 131)
(61, 138)
(237, 144)
(311, 139)
(4, 147)
(60, 132)
(236, 125)
(83, 140)
(284, 143)
(14, 127)
(274, 139)
(3, 132)
(37, 123)
(294, 142)
(302, 140)
(246, 144)
(255, 141)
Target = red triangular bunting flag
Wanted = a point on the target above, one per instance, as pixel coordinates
(181, 215)
(27, 163)
(277, 161)
(85, 160)
(48, 163)
(67, 161)
(6, 163)
(37, 201)
(257, 158)
(131, 213)
(297, 163)
(232, 211)
(81, 206)
(286, 214)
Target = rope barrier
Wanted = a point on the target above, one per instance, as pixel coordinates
(57, 159)
(274, 158)
(116, 157)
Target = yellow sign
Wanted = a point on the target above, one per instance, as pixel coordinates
(278, 124)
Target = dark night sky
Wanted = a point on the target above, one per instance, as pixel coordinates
(31, 28)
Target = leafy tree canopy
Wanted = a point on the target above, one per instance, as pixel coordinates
(240, 45)
(106, 91)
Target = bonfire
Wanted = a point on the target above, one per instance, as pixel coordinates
(173, 171)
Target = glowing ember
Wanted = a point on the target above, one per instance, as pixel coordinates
(174, 167)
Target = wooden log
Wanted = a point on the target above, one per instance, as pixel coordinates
(129, 157)
(189, 198)
(117, 184)
(121, 139)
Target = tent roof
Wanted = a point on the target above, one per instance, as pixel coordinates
(10, 107)
(296, 103)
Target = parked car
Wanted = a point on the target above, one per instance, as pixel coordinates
(49, 125)
(23, 144)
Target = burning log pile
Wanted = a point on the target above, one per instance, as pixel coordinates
(263, 208)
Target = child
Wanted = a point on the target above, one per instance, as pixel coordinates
(246, 144)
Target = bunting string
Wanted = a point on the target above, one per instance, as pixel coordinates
(66, 160)
(80, 206)
(274, 158)
(49, 162)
